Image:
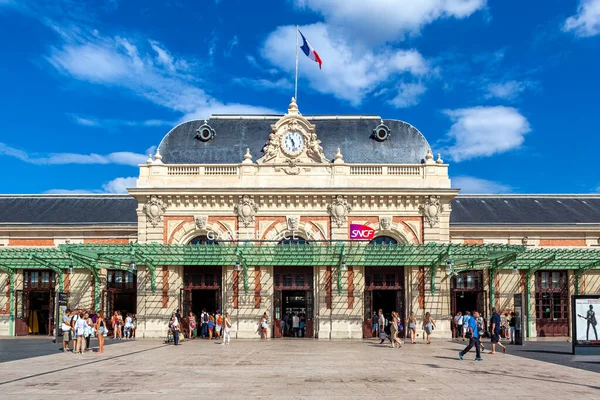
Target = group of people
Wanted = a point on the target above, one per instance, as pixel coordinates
(79, 327)
(293, 324)
(393, 329)
(507, 327)
(475, 329)
(209, 325)
(123, 327)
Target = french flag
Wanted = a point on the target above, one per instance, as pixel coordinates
(309, 51)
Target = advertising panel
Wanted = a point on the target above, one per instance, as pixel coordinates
(585, 322)
(361, 232)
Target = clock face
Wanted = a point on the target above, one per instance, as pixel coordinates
(293, 143)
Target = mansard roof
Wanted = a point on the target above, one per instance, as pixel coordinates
(525, 209)
(352, 134)
(67, 209)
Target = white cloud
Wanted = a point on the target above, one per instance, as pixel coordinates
(121, 158)
(587, 20)
(348, 73)
(509, 90)
(145, 68)
(387, 20)
(231, 45)
(112, 123)
(470, 184)
(264, 84)
(119, 185)
(116, 186)
(408, 95)
(485, 131)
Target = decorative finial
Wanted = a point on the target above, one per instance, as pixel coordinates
(338, 158)
(439, 159)
(149, 160)
(429, 157)
(293, 107)
(157, 157)
(247, 157)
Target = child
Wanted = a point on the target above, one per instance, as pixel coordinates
(211, 325)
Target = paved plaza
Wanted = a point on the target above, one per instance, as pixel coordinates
(289, 369)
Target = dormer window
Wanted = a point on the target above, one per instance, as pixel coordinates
(205, 132)
(381, 133)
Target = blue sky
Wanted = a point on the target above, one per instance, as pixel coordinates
(506, 90)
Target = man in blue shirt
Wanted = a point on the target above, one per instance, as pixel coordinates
(473, 334)
(496, 332)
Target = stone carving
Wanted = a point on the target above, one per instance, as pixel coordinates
(154, 210)
(271, 149)
(339, 210)
(314, 150)
(293, 223)
(385, 223)
(431, 210)
(201, 221)
(245, 209)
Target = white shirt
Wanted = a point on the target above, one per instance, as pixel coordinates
(295, 321)
(175, 322)
(80, 324)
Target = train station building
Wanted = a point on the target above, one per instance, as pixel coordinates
(329, 216)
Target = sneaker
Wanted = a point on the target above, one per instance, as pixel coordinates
(460, 355)
(479, 359)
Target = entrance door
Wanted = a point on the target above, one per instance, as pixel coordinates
(202, 290)
(21, 303)
(293, 296)
(551, 301)
(384, 289)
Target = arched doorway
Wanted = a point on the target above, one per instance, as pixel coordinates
(202, 284)
(293, 297)
(384, 289)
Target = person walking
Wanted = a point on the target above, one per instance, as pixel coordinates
(394, 330)
(473, 334)
(264, 326)
(428, 326)
(218, 325)
(191, 324)
(496, 332)
(211, 327)
(512, 324)
(204, 319)
(465, 325)
(412, 327)
(375, 324)
(102, 331)
(226, 330)
(458, 321)
(381, 323)
(175, 329)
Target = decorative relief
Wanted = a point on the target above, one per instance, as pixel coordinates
(201, 221)
(293, 223)
(245, 209)
(154, 210)
(431, 210)
(385, 223)
(315, 150)
(339, 210)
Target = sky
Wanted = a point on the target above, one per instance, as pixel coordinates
(506, 90)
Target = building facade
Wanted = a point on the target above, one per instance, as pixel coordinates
(298, 182)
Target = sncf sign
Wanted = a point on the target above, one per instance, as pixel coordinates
(361, 232)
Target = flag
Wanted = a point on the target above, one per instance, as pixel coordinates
(309, 51)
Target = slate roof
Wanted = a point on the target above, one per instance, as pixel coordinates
(524, 210)
(80, 209)
(352, 134)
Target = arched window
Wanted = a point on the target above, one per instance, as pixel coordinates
(383, 240)
(295, 240)
(203, 240)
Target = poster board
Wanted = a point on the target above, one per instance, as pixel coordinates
(585, 315)
(62, 301)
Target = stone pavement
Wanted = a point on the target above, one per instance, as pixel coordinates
(288, 368)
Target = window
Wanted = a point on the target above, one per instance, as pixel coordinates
(383, 240)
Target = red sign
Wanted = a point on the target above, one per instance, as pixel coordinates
(361, 232)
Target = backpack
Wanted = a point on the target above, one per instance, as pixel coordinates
(205, 317)
(220, 320)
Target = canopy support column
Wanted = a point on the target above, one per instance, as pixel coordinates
(11, 319)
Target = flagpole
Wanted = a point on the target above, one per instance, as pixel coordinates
(296, 83)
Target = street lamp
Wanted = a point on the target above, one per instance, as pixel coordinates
(343, 266)
(516, 270)
(237, 266)
(70, 268)
(132, 266)
(449, 268)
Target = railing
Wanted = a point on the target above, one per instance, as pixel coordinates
(183, 170)
(190, 170)
(366, 170)
(220, 170)
(405, 170)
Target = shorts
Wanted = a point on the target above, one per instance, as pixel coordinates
(495, 338)
(218, 328)
(67, 336)
(375, 326)
(116, 326)
(210, 329)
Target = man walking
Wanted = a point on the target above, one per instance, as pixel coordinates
(204, 319)
(496, 332)
(473, 333)
(375, 324)
(458, 321)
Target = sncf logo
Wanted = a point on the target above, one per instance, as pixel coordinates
(361, 232)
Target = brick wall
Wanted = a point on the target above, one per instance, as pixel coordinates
(30, 242)
(562, 242)
(473, 241)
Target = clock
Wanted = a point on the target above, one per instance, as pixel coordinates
(292, 143)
